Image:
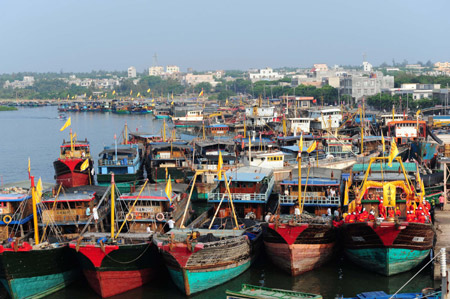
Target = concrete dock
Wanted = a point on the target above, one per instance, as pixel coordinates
(442, 225)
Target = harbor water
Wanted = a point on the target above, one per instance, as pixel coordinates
(34, 133)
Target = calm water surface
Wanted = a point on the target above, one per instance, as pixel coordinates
(34, 133)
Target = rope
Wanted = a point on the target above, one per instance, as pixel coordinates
(404, 285)
(133, 260)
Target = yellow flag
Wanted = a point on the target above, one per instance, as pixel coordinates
(346, 194)
(169, 189)
(389, 191)
(68, 123)
(39, 190)
(219, 165)
(300, 146)
(138, 95)
(393, 153)
(148, 90)
(90, 97)
(382, 142)
(172, 95)
(85, 165)
(131, 92)
(84, 94)
(201, 93)
(114, 92)
(171, 103)
(106, 94)
(68, 96)
(226, 102)
(417, 113)
(29, 166)
(312, 147)
(153, 100)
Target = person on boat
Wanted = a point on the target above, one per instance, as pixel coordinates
(359, 208)
(329, 212)
(422, 218)
(296, 213)
(171, 223)
(363, 216)
(391, 213)
(149, 229)
(419, 211)
(410, 217)
(346, 217)
(382, 209)
(441, 202)
(95, 213)
(336, 214)
(88, 212)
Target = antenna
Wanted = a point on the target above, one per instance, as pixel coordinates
(155, 59)
(364, 56)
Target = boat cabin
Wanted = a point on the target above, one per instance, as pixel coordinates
(218, 129)
(250, 189)
(325, 118)
(406, 130)
(299, 125)
(170, 158)
(265, 159)
(81, 149)
(387, 118)
(15, 211)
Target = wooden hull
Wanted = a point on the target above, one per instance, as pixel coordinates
(118, 268)
(37, 273)
(300, 248)
(209, 264)
(67, 173)
(388, 248)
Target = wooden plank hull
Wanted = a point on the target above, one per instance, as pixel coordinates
(208, 264)
(388, 248)
(37, 273)
(300, 248)
(116, 269)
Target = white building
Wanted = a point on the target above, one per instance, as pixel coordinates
(367, 66)
(266, 74)
(191, 79)
(320, 67)
(155, 71)
(131, 72)
(26, 82)
(171, 69)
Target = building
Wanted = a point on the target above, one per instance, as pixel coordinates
(266, 74)
(172, 69)
(362, 85)
(131, 72)
(367, 67)
(155, 71)
(26, 82)
(191, 79)
(418, 91)
(320, 67)
(442, 66)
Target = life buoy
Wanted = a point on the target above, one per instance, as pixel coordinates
(160, 216)
(403, 196)
(7, 219)
(129, 217)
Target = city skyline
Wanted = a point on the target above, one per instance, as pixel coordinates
(82, 36)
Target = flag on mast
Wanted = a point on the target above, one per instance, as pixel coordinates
(312, 147)
(68, 123)
(219, 165)
(201, 93)
(85, 165)
(168, 189)
(393, 153)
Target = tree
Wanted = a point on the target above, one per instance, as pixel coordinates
(206, 86)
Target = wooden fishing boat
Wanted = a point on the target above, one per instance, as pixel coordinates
(162, 112)
(210, 251)
(192, 118)
(117, 263)
(387, 244)
(257, 292)
(15, 211)
(125, 161)
(68, 166)
(214, 257)
(39, 269)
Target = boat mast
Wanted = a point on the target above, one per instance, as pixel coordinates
(362, 130)
(35, 216)
(113, 191)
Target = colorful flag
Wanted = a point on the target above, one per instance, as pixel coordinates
(417, 113)
(148, 90)
(85, 165)
(39, 190)
(29, 168)
(138, 95)
(219, 165)
(201, 93)
(68, 96)
(153, 100)
(114, 92)
(393, 153)
(172, 95)
(382, 142)
(312, 147)
(169, 189)
(90, 97)
(68, 123)
(131, 92)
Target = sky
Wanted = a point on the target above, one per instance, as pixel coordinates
(85, 35)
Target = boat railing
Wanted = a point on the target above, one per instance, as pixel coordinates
(106, 162)
(136, 215)
(311, 200)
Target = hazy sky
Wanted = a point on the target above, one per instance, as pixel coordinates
(85, 35)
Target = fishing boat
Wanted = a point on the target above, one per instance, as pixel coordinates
(68, 167)
(300, 244)
(250, 190)
(15, 211)
(210, 251)
(125, 161)
(114, 264)
(191, 119)
(390, 241)
(162, 112)
(258, 292)
(39, 269)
